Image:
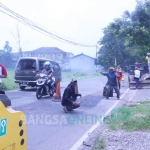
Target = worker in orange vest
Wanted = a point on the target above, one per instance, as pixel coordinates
(119, 72)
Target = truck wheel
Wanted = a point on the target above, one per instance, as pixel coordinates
(22, 88)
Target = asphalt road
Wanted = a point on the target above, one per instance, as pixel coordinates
(48, 127)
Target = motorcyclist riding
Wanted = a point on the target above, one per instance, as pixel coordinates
(48, 71)
(112, 80)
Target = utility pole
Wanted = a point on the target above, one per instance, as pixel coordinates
(115, 62)
(96, 56)
(17, 39)
(19, 46)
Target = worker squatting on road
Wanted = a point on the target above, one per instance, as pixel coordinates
(69, 97)
(112, 80)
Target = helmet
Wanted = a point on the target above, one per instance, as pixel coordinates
(47, 63)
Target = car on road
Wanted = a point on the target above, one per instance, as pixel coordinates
(27, 68)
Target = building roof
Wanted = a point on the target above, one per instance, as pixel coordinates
(81, 55)
(48, 50)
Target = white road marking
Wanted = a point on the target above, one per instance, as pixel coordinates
(85, 136)
(132, 94)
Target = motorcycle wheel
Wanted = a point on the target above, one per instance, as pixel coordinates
(38, 94)
(51, 92)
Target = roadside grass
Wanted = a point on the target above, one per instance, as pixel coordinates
(9, 84)
(99, 144)
(134, 118)
(67, 76)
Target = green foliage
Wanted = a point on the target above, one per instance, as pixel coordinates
(132, 118)
(127, 38)
(68, 76)
(99, 144)
(6, 56)
(8, 83)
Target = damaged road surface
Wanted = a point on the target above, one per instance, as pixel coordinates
(49, 127)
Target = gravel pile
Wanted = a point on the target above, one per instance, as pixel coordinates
(121, 140)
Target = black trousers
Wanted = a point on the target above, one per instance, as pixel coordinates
(119, 84)
(70, 107)
(116, 88)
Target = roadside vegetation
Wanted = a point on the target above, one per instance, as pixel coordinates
(99, 144)
(67, 76)
(9, 84)
(132, 118)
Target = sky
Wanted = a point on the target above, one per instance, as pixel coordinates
(81, 21)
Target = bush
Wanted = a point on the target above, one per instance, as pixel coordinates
(8, 83)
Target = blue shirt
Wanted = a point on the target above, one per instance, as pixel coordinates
(112, 78)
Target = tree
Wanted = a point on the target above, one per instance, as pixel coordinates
(6, 55)
(7, 48)
(127, 38)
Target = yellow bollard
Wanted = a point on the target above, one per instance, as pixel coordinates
(12, 129)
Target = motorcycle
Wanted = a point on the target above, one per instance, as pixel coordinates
(42, 87)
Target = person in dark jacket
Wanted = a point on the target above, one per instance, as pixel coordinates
(69, 97)
(112, 80)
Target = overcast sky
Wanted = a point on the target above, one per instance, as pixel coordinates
(78, 20)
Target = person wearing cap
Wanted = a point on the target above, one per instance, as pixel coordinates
(69, 97)
(137, 75)
(112, 80)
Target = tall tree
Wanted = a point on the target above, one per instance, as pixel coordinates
(6, 55)
(127, 38)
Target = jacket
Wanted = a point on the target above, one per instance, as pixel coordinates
(69, 95)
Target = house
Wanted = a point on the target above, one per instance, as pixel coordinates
(52, 53)
(82, 62)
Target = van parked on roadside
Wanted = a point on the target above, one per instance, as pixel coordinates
(27, 68)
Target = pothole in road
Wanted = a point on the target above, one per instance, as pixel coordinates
(91, 101)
